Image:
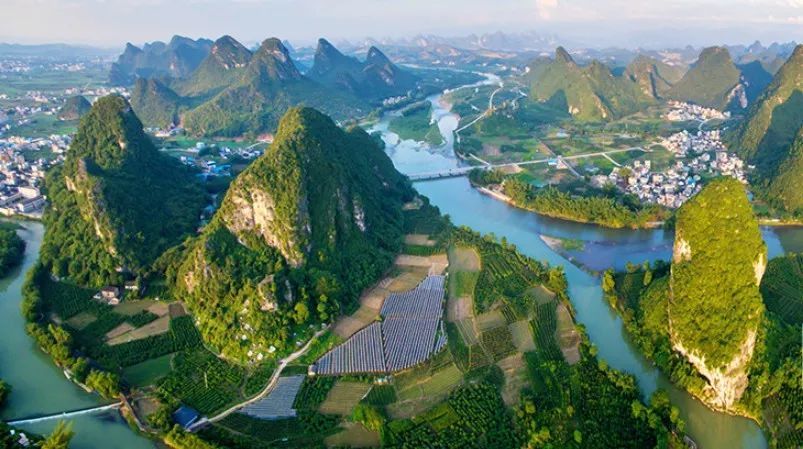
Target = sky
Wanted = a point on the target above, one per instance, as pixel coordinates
(592, 23)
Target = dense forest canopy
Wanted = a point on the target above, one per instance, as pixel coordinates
(116, 203)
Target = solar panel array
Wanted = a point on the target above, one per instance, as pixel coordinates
(406, 336)
(362, 353)
(278, 404)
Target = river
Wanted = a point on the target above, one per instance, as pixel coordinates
(467, 206)
(38, 387)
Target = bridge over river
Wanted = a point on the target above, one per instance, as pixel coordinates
(560, 161)
(63, 415)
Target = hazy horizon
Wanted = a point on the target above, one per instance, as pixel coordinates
(580, 23)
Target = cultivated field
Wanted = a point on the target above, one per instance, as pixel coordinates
(343, 397)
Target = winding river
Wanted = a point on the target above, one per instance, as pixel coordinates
(610, 247)
(39, 388)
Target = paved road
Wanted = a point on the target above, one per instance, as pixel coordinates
(272, 383)
(486, 113)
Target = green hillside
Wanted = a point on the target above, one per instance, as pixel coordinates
(115, 202)
(765, 139)
(74, 108)
(376, 78)
(299, 234)
(655, 78)
(269, 86)
(710, 81)
(715, 301)
(589, 93)
(154, 103)
(223, 66)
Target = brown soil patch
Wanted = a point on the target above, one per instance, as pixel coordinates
(408, 280)
(353, 435)
(176, 309)
(349, 325)
(522, 337)
(156, 327)
(459, 309)
(343, 397)
(464, 259)
(119, 330)
(468, 331)
(81, 320)
(568, 338)
(490, 320)
(129, 308)
(419, 240)
(437, 263)
(515, 378)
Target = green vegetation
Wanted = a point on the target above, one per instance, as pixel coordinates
(781, 287)
(374, 79)
(473, 416)
(155, 104)
(589, 93)
(600, 207)
(12, 248)
(591, 405)
(771, 138)
(715, 301)
(415, 123)
(709, 81)
(5, 389)
(74, 108)
(101, 219)
(335, 228)
(202, 381)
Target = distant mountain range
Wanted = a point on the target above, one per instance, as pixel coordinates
(233, 91)
(592, 92)
(177, 58)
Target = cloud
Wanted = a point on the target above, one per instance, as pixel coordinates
(545, 8)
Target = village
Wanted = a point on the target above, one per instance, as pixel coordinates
(698, 155)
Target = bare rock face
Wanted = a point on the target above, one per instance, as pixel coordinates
(715, 307)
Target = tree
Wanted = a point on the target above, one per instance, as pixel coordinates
(369, 416)
(302, 312)
(5, 389)
(60, 437)
(105, 383)
(608, 282)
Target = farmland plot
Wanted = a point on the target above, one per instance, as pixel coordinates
(343, 397)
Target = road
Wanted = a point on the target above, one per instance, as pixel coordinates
(272, 383)
(487, 112)
(461, 171)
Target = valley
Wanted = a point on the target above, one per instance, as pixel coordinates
(261, 246)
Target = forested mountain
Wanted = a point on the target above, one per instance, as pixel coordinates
(588, 93)
(74, 108)
(767, 137)
(116, 203)
(654, 77)
(375, 78)
(713, 81)
(222, 67)
(715, 307)
(175, 59)
(299, 234)
(269, 86)
(155, 104)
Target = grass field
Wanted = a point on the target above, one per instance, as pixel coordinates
(490, 320)
(353, 435)
(148, 372)
(463, 258)
(419, 389)
(82, 320)
(343, 397)
(567, 336)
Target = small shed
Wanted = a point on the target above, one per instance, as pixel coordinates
(186, 416)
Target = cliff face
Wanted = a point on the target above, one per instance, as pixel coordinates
(715, 307)
(300, 232)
